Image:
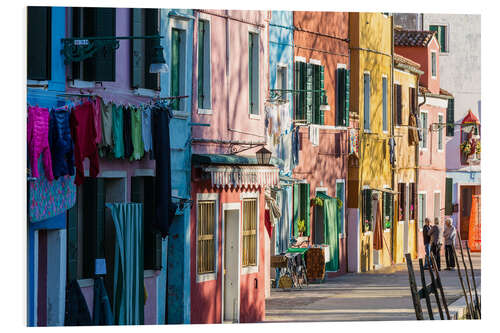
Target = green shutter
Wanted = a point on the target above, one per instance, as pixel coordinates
(100, 22)
(367, 208)
(450, 118)
(201, 60)
(309, 95)
(449, 197)
(340, 98)
(296, 203)
(138, 48)
(174, 84)
(316, 95)
(72, 244)
(399, 105)
(39, 40)
(93, 223)
(152, 28)
(76, 15)
(442, 38)
(323, 96)
(347, 81)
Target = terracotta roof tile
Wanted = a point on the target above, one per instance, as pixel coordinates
(412, 37)
(403, 60)
(444, 92)
(424, 90)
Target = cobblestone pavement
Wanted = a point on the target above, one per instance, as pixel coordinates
(380, 295)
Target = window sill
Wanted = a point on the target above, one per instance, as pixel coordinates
(180, 114)
(249, 270)
(146, 92)
(254, 116)
(37, 84)
(205, 111)
(367, 233)
(82, 84)
(206, 277)
(387, 230)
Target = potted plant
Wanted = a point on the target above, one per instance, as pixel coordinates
(301, 225)
(317, 202)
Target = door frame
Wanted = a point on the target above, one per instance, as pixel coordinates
(230, 206)
(459, 199)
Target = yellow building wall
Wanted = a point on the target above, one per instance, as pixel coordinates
(370, 43)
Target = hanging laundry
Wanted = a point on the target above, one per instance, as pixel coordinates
(138, 146)
(97, 107)
(146, 129)
(392, 144)
(106, 145)
(118, 130)
(127, 132)
(285, 117)
(38, 141)
(61, 144)
(296, 146)
(165, 209)
(419, 132)
(84, 136)
(353, 142)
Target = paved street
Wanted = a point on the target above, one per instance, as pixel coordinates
(381, 295)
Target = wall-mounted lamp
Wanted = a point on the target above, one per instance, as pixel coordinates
(158, 63)
(263, 156)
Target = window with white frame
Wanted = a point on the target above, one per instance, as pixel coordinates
(423, 142)
(433, 64)
(206, 236)
(440, 132)
(253, 72)
(204, 80)
(249, 232)
(281, 77)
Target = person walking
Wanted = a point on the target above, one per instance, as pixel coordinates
(436, 234)
(427, 242)
(450, 235)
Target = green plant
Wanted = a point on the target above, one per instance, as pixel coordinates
(301, 225)
(339, 203)
(317, 202)
(465, 147)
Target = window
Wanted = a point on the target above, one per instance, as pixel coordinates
(39, 43)
(310, 77)
(388, 209)
(437, 205)
(143, 191)
(440, 36)
(366, 102)
(342, 96)
(440, 132)
(413, 201)
(450, 118)
(253, 73)
(281, 77)
(422, 210)
(340, 194)
(177, 67)
(448, 197)
(204, 79)
(423, 143)
(206, 229)
(368, 218)
(433, 60)
(249, 232)
(413, 99)
(401, 201)
(144, 22)
(384, 103)
(301, 207)
(398, 107)
(95, 22)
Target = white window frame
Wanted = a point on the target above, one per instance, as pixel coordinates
(424, 193)
(424, 130)
(440, 129)
(207, 61)
(434, 75)
(250, 269)
(369, 99)
(208, 276)
(342, 181)
(387, 103)
(256, 74)
(176, 24)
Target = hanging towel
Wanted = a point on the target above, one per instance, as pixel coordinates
(378, 233)
(165, 209)
(76, 310)
(268, 223)
(84, 136)
(102, 314)
(138, 146)
(97, 107)
(296, 146)
(106, 145)
(128, 290)
(127, 132)
(118, 130)
(332, 230)
(61, 144)
(38, 141)
(146, 129)
(392, 144)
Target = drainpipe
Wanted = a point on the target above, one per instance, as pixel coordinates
(393, 184)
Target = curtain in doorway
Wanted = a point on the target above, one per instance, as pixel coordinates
(331, 230)
(128, 293)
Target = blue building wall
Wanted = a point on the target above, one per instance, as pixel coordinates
(178, 245)
(47, 98)
(462, 178)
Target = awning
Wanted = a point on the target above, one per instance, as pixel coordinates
(221, 159)
(247, 176)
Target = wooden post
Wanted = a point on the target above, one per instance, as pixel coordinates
(413, 289)
(467, 278)
(436, 293)
(478, 304)
(424, 288)
(461, 281)
(440, 286)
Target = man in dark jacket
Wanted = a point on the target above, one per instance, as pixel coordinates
(436, 234)
(427, 242)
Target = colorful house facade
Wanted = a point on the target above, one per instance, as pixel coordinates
(423, 48)
(370, 184)
(227, 232)
(406, 79)
(321, 121)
